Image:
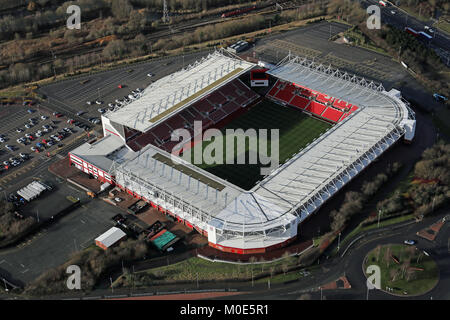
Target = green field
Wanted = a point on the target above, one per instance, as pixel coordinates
(296, 130)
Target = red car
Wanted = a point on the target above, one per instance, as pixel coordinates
(57, 114)
(120, 86)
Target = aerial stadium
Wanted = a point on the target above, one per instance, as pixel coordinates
(332, 126)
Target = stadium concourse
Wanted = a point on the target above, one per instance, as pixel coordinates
(134, 152)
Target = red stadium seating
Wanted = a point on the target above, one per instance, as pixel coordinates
(316, 108)
(230, 107)
(332, 114)
(176, 122)
(300, 102)
(341, 104)
(203, 106)
(216, 98)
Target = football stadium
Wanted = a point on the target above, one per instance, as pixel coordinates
(331, 126)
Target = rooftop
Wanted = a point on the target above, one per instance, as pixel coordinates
(179, 90)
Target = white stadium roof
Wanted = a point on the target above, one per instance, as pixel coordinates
(179, 90)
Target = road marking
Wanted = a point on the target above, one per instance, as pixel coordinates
(83, 222)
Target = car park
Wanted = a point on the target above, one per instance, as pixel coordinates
(101, 110)
(120, 86)
(149, 74)
(2, 139)
(23, 155)
(6, 163)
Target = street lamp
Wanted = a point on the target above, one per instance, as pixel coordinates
(6, 288)
(339, 241)
(379, 214)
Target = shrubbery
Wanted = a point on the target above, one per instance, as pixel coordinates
(11, 226)
(354, 201)
(93, 262)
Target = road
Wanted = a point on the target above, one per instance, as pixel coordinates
(351, 266)
(401, 19)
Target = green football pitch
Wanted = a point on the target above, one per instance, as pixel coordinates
(296, 130)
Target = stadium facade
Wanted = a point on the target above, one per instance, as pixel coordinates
(134, 153)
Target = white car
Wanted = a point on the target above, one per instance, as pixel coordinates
(33, 149)
(28, 126)
(150, 75)
(23, 155)
(19, 130)
(2, 140)
(117, 199)
(89, 102)
(392, 12)
(44, 117)
(6, 163)
(99, 102)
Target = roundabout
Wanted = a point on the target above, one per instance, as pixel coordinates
(404, 270)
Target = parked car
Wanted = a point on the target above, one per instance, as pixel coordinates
(19, 130)
(44, 117)
(149, 74)
(34, 149)
(28, 126)
(30, 111)
(80, 113)
(99, 102)
(89, 102)
(409, 242)
(23, 155)
(9, 147)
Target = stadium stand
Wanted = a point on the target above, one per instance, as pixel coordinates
(209, 110)
(317, 103)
